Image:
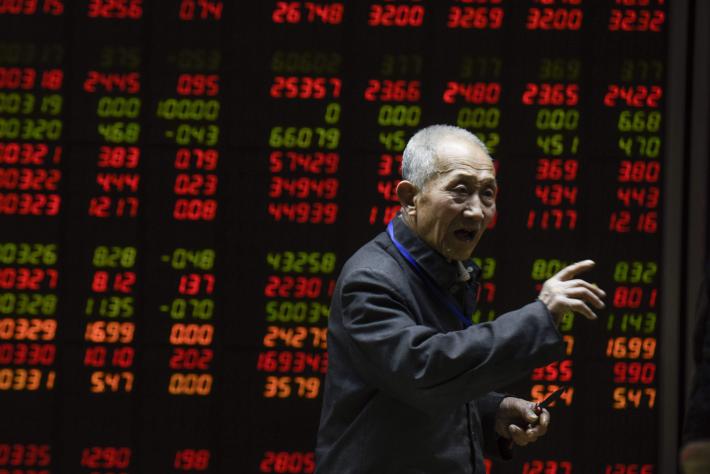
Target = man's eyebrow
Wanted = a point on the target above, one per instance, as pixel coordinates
(487, 180)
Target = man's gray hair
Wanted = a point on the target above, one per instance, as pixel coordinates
(419, 158)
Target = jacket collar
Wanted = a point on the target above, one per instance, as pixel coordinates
(444, 273)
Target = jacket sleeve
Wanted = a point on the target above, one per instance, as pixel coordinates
(488, 408)
(697, 418)
(431, 370)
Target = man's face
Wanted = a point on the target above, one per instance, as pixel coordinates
(455, 206)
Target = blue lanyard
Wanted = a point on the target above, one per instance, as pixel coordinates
(431, 284)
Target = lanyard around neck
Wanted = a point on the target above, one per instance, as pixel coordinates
(431, 284)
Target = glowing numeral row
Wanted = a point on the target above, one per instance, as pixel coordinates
(30, 129)
(557, 119)
(25, 455)
(304, 137)
(114, 257)
(110, 82)
(28, 179)
(478, 117)
(23, 329)
(639, 121)
(305, 87)
(119, 157)
(635, 272)
(106, 457)
(124, 10)
(119, 132)
(396, 15)
(296, 312)
(297, 337)
(631, 348)
(303, 188)
(634, 296)
(121, 282)
(556, 169)
(625, 397)
(111, 382)
(195, 209)
(297, 287)
(191, 334)
(284, 461)
(636, 20)
(110, 306)
(25, 253)
(14, 153)
(304, 212)
(317, 162)
(558, 144)
(633, 96)
(634, 372)
(15, 103)
(284, 387)
(300, 262)
(28, 304)
(188, 109)
(387, 90)
(27, 278)
(198, 84)
(554, 372)
(630, 469)
(190, 384)
(479, 18)
(555, 18)
(195, 184)
(308, 12)
(203, 159)
(30, 354)
(550, 94)
(118, 107)
(26, 78)
(31, 7)
(26, 379)
(294, 362)
(539, 467)
(96, 356)
(473, 93)
(557, 219)
(180, 308)
(639, 171)
(192, 460)
(640, 322)
(191, 358)
(182, 258)
(556, 194)
(305, 62)
(399, 115)
(623, 221)
(109, 332)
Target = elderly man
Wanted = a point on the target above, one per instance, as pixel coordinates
(410, 380)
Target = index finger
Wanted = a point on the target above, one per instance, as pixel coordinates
(571, 271)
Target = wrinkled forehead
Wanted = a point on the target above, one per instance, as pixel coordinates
(457, 154)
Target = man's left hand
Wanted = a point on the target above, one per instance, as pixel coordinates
(517, 419)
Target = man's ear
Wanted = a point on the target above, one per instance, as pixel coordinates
(406, 192)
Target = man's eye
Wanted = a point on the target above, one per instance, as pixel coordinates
(461, 190)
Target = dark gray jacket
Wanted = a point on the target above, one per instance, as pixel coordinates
(697, 418)
(408, 389)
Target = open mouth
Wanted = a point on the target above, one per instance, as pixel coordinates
(465, 235)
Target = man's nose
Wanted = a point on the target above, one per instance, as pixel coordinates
(473, 208)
